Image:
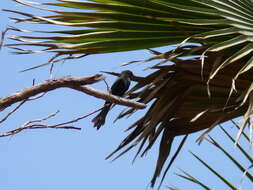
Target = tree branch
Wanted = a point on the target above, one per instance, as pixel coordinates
(11, 112)
(75, 83)
(109, 97)
(36, 124)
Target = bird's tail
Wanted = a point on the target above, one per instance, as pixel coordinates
(99, 120)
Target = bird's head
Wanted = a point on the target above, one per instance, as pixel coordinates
(127, 73)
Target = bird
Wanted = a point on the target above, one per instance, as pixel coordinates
(118, 88)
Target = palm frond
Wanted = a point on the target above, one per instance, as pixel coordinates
(236, 161)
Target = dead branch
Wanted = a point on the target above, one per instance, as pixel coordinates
(19, 105)
(36, 124)
(76, 119)
(46, 86)
(67, 82)
(109, 97)
(39, 90)
(11, 112)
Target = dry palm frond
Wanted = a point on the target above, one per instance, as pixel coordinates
(181, 103)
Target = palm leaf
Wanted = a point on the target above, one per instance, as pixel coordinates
(236, 161)
(189, 177)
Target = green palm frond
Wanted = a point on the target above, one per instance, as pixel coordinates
(109, 26)
(236, 161)
(189, 177)
(203, 82)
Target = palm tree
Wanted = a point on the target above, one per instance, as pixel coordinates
(204, 81)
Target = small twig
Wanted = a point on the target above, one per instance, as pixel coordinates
(11, 112)
(19, 105)
(52, 127)
(27, 125)
(43, 119)
(107, 86)
(77, 119)
(52, 61)
(2, 37)
(37, 97)
(35, 124)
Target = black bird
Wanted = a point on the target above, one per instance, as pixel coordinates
(119, 87)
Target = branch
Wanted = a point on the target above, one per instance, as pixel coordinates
(19, 105)
(75, 83)
(109, 97)
(36, 124)
(11, 112)
(46, 86)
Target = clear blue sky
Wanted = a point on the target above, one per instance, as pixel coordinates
(64, 159)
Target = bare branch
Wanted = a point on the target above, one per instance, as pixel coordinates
(46, 86)
(107, 86)
(75, 83)
(39, 90)
(109, 97)
(11, 112)
(36, 124)
(75, 120)
(20, 104)
(37, 97)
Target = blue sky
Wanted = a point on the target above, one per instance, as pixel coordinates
(64, 159)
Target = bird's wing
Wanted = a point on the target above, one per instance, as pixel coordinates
(120, 86)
